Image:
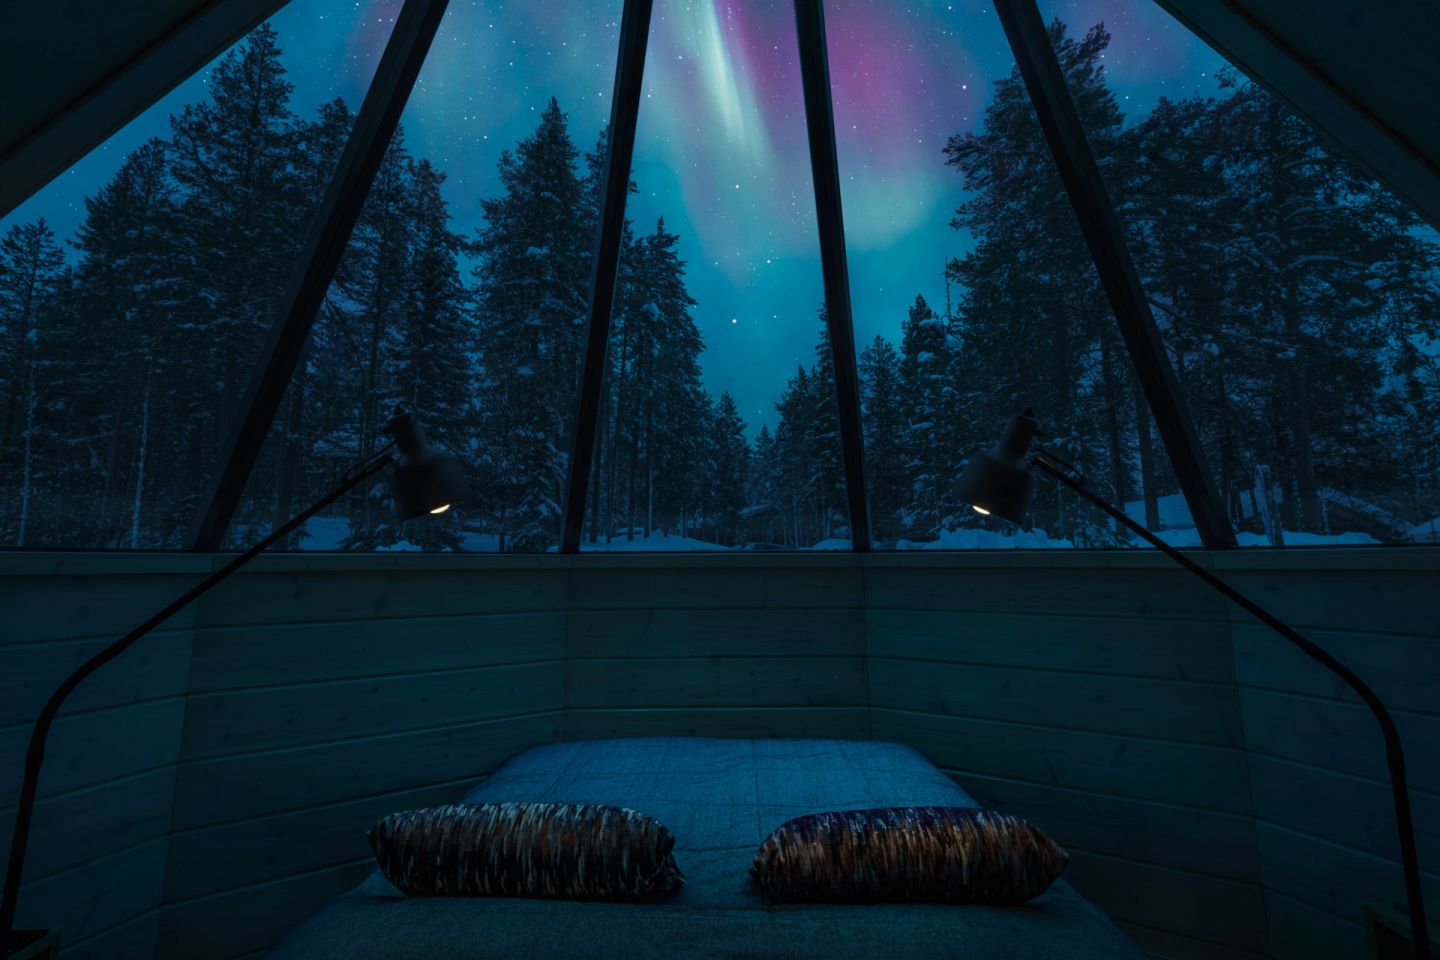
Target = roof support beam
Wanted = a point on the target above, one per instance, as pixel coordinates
(1045, 81)
(825, 172)
(374, 125)
(82, 91)
(624, 111)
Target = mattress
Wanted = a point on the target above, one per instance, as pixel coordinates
(719, 798)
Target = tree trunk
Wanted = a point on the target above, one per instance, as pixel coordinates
(1147, 459)
(140, 460)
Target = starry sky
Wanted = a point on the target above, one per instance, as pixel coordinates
(721, 147)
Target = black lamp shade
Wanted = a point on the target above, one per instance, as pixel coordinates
(998, 482)
(426, 479)
(429, 483)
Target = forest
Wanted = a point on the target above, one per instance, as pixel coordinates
(1297, 298)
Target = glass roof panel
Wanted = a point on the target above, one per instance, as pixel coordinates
(463, 292)
(1297, 297)
(719, 429)
(136, 287)
(975, 295)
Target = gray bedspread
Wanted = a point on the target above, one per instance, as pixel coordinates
(719, 798)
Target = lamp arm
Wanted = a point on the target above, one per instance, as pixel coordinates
(35, 756)
(1046, 462)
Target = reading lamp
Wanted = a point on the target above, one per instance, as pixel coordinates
(999, 483)
(425, 480)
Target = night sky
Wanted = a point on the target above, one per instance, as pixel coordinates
(721, 147)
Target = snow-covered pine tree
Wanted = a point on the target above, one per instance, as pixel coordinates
(531, 299)
(887, 477)
(32, 276)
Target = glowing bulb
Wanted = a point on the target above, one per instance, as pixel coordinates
(981, 510)
(441, 509)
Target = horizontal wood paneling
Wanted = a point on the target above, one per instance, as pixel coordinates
(279, 781)
(1211, 778)
(229, 658)
(63, 607)
(1128, 706)
(309, 596)
(87, 749)
(1322, 801)
(305, 713)
(135, 938)
(716, 632)
(208, 860)
(76, 827)
(1183, 838)
(1176, 650)
(1098, 590)
(839, 722)
(1299, 931)
(245, 921)
(663, 586)
(715, 682)
(1165, 945)
(1195, 906)
(155, 668)
(1339, 736)
(97, 895)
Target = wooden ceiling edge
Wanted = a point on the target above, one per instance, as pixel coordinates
(1379, 149)
(123, 94)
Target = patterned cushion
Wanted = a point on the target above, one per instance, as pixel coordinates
(944, 854)
(561, 851)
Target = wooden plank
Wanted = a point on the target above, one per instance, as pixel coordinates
(241, 721)
(1339, 736)
(302, 596)
(132, 940)
(1164, 945)
(1401, 669)
(1340, 808)
(665, 587)
(1183, 838)
(715, 682)
(241, 922)
(715, 632)
(1159, 709)
(1166, 650)
(74, 828)
(1227, 912)
(1392, 601)
(155, 667)
(214, 859)
(63, 607)
(259, 784)
(1331, 878)
(1213, 778)
(839, 722)
(228, 658)
(1097, 590)
(91, 748)
(98, 895)
(1300, 932)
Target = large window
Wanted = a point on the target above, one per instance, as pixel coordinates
(975, 295)
(463, 291)
(719, 427)
(1296, 296)
(136, 288)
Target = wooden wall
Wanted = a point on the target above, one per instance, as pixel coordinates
(1220, 798)
(100, 837)
(1324, 818)
(1097, 700)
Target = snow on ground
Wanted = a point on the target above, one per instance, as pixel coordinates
(656, 542)
(974, 538)
(1173, 511)
(1427, 532)
(324, 533)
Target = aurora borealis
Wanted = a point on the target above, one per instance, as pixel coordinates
(721, 145)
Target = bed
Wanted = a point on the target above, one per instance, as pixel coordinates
(719, 798)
